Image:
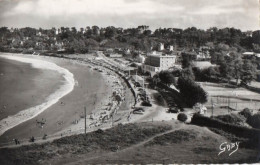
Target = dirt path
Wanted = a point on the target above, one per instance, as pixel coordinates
(85, 160)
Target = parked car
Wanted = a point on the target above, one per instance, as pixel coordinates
(138, 110)
(173, 110)
(146, 103)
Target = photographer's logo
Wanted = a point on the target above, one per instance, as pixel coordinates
(229, 147)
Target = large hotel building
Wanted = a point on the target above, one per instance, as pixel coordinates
(158, 62)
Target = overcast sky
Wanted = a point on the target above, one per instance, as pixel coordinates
(243, 14)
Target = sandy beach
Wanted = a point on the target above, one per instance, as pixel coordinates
(92, 90)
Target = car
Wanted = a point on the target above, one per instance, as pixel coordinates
(146, 103)
(138, 110)
(140, 89)
(173, 110)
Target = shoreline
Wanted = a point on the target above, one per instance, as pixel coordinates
(29, 113)
(99, 111)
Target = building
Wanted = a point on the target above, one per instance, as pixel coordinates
(248, 54)
(170, 47)
(115, 55)
(156, 63)
(202, 64)
(140, 58)
(161, 47)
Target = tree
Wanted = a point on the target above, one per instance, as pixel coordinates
(236, 66)
(225, 71)
(192, 92)
(110, 32)
(217, 58)
(167, 78)
(209, 73)
(254, 121)
(256, 37)
(248, 72)
(188, 73)
(156, 79)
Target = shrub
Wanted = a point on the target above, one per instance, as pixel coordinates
(146, 103)
(182, 117)
(254, 121)
(232, 119)
(246, 113)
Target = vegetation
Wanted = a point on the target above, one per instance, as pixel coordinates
(254, 121)
(167, 78)
(191, 92)
(230, 67)
(246, 113)
(182, 117)
(140, 38)
(174, 137)
(109, 140)
(232, 119)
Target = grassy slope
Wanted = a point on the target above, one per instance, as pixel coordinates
(157, 142)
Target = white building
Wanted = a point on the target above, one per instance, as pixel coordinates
(170, 48)
(140, 58)
(157, 63)
(161, 47)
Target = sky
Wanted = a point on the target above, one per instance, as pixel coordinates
(203, 14)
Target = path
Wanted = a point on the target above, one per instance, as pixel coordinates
(85, 160)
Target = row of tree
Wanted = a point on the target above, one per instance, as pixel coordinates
(140, 38)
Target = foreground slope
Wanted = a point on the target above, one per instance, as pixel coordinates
(151, 142)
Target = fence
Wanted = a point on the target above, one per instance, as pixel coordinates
(227, 104)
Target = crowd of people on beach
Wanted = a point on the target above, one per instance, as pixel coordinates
(106, 109)
(110, 106)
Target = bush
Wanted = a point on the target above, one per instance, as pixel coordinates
(246, 113)
(146, 103)
(237, 130)
(254, 121)
(182, 117)
(232, 119)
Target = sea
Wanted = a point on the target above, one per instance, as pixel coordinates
(23, 86)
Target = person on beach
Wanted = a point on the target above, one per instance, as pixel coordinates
(16, 141)
(44, 136)
(32, 139)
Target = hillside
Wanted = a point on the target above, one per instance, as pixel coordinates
(153, 142)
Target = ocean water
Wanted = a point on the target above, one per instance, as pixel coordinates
(23, 86)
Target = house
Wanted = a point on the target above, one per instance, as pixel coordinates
(140, 58)
(202, 64)
(39, 34)
(170, 48)
(115, 55)
(248, 54)
(161, 47)
(156, 63)
(127, 51)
